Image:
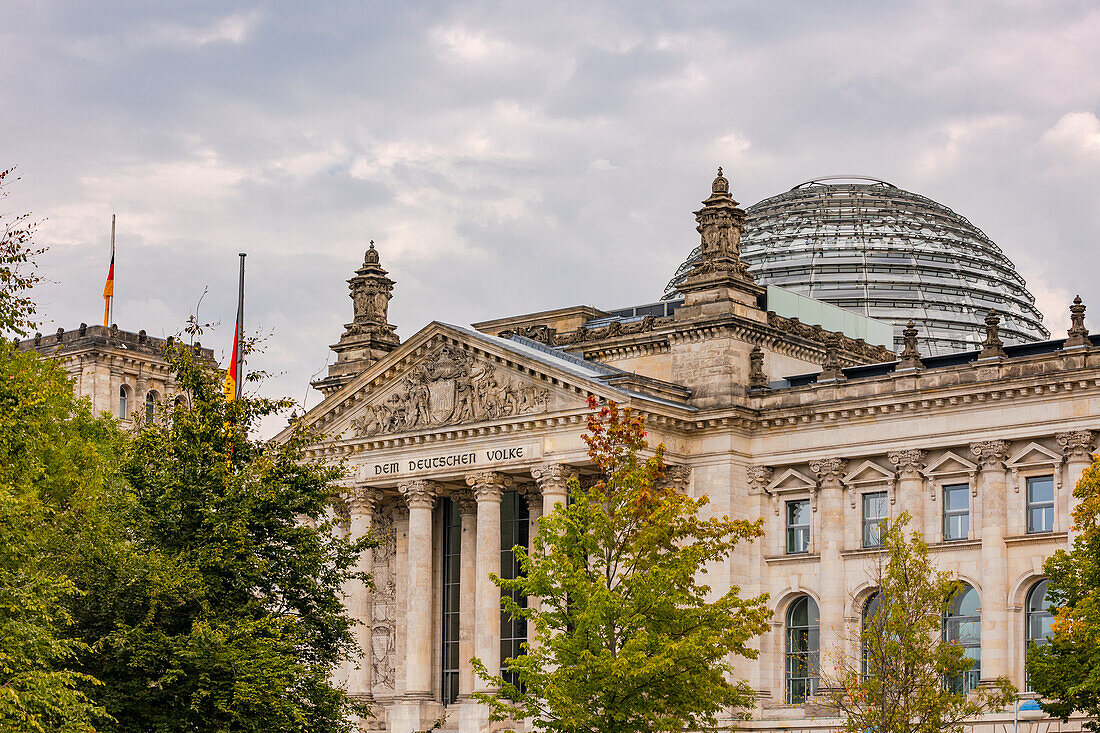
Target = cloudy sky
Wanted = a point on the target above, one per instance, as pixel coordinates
(513, 157)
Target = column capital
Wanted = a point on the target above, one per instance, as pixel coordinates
(908, 462)
(1076, 444)
(829, 470)
(362, 500)
(675, 478)
(553, 476)
(990, 453)
(488, 485)
(464, 501)
(759, 478)
(419, 494)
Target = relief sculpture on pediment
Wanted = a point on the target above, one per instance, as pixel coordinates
(450, 387)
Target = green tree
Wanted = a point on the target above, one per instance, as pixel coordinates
(55, 458)
(626, 636)
(1066, 672)
(229, 615)
(900, 679)
(17, 267)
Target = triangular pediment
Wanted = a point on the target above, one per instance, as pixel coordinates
(791, 480)
(868, 472)
(950, 463)
(446, 376)
(1034, 454)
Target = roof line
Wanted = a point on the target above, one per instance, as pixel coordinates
(843, 177)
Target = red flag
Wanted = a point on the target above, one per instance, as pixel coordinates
(231, 372)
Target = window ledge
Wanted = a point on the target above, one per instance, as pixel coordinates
(800, 557)
(954, 545)
(1024, 539)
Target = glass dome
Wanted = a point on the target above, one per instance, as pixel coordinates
(868, 246)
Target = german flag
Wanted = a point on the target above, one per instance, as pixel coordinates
(109, 286)
(231, 390)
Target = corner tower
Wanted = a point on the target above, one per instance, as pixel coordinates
(369, 336)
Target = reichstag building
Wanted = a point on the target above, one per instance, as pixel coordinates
(825, 359)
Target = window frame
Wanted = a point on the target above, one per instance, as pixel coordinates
(969, 679)
(1030, 506)
(125, 393)
(878, 523)
(802, 529)
(1031, 613)
(807, 659)
(948, 515)
(515, 530)
(450, 601)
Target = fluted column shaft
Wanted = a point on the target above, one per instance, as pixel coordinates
(911, 489)
(553, 483)
(834, 595)
(467, 579)
(361, 505)
(420, 497)
(487, 487)
(993, 488)
(1077, 447)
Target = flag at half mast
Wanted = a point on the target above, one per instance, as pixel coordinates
(234, 375)
(109, 286)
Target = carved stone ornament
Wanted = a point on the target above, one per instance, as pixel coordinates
(384, 600)
(831, 366)
(1078, 334)
(675, 478)
(866, 352)
(419, 494)
(910, 356)
(1076, 444)
(758, 380)
(829, 470)
(450, 387)
(488, 485)
(759, 478)
(362, 501)
(553, 477)
(992, 347)
(908, 462)
(990, 453)
(464, 501)
(615, 328)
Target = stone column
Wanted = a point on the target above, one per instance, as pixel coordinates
(1077, 447)
(993, 488)
(467, 579)
(361, 503)
(487, 486)
(553, 483)
(908, 464)
(831, 585)
(420, 497)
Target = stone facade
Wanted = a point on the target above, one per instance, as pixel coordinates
(118, 371)
(757, 413)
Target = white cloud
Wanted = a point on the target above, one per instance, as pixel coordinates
(1075, 134)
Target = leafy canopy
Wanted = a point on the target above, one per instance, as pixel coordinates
(1066, 672)
(626, 636)
(898, 681)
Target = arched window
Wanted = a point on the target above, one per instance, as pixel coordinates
(1039, 617)
(803, 644)
(962, 624)
(150, 405)
(124, 402)
(869, 610)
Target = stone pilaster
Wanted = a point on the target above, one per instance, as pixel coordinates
(831, 566)
(553, 483)
(908, 465)
(992, 488)
(1077, 447)
(420, 497)
(487, 487)
(361, 503)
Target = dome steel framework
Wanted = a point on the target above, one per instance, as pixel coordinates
(868, 246)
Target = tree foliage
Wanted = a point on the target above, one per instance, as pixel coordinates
(219, 608)
(897, 681)
(55, 458)
(1066, 672)
(626, 637)
(17, 266)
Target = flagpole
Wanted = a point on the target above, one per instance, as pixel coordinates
(240, 329)
(111, 302)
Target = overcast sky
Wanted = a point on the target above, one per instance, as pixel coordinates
(514, 157)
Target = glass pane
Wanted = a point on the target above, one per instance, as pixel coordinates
(1040, 489)
(956, 497)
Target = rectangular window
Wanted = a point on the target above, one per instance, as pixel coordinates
(1040, 504)
(798, 526)
(514, 530)
(874, 518)
(956, 512)
(452, 563)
